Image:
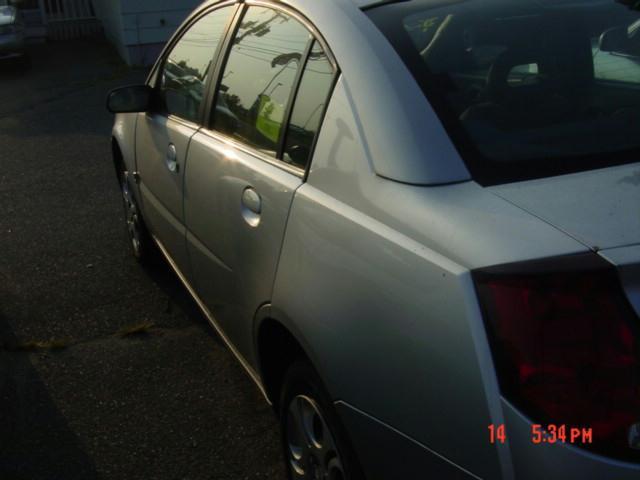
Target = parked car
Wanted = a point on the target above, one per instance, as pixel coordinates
(12, 40)
(415, 223)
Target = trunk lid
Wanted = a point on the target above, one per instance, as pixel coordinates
(599, 208)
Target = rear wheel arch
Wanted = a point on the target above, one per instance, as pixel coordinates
(277, 350)
(284, 364)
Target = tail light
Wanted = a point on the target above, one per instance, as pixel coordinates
(565, 344)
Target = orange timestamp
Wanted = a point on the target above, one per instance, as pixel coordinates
(551, 433)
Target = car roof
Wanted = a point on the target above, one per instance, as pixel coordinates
(401, 133)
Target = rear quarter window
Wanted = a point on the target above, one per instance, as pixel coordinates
(310, 105)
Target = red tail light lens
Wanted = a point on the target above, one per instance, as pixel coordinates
(565, 344)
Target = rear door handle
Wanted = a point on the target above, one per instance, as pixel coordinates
(251, 206)
(171, 160)
(251, 200)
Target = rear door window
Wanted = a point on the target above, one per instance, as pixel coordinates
(259, 78)
(309, 107)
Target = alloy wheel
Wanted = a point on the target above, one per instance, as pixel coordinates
(312, 452)
(132, 217)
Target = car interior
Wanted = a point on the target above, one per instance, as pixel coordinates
(538, 81)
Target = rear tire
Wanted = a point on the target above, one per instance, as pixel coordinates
(142, 245)
(314, 441)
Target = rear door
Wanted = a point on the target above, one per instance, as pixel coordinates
(244, 170)
(164, 133)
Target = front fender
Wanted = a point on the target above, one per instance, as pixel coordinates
(124, 135)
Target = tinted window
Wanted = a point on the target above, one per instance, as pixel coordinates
(526, 88)
(309, 106)
(189, 64)
(259, 77)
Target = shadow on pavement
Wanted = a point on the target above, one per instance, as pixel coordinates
(35, 440)
(59, 93)
(161, 274)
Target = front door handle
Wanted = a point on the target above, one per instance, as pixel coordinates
(171, 160)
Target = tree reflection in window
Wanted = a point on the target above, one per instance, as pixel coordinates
(189, 64)
(259, 77)
(306, 116)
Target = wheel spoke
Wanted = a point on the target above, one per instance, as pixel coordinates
(131, 216)
(297, 470)
(312, 449)
(296, 440)
(335, 470)
(327, 445)
(309, 421)
(321, 439)
(296, 423)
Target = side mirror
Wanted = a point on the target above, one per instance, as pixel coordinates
(134, 98)
(615, 40)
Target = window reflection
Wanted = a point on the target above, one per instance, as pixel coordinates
(309, 107)
(259, 76)
(189, 64)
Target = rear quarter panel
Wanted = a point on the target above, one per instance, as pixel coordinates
(383, 318)
(374, 280)
(386, 323)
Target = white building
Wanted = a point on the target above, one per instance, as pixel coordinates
(137, 28)
(140, 28)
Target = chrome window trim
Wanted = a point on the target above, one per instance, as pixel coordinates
(282, 138)
(174, 118)
(195, 16)
(245, 364)
(223, 57)
(303, 20)
(244, 148)
(334, 81)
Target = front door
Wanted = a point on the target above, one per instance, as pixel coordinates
(163, 135)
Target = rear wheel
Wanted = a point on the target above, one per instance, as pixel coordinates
(142, 245)
(315, 445)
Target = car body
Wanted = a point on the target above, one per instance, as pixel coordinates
(12, 39)
(403, 233)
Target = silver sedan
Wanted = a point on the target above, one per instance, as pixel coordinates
(415, 223)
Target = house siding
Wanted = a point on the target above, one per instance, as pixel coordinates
(139, 29)
(109, 13)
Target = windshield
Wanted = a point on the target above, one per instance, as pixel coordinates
(526, 88)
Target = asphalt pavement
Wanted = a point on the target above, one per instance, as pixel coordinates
(107, 370)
